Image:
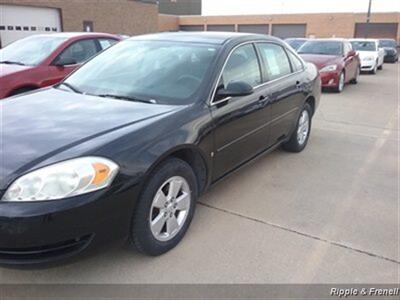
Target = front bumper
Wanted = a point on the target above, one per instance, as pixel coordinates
(47, 231)
(367, 65)
(329, 79)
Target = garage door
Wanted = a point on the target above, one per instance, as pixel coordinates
(261, 29)
(229, 28)
(376, 30)
(284, 31)
(191, 28)
(18, 21)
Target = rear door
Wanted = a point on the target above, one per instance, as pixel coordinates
(284, 87)
(241, 123)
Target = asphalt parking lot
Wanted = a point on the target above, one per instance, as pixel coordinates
(327, 215)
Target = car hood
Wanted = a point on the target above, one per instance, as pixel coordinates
(40, 125)
(320, 60)
(364, 54)
(8, 69)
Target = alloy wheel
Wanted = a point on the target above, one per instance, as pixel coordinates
(303, 127)
(341, 82)
(170, 208)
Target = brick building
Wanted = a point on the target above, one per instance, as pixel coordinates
(19, 18)
(292, 25)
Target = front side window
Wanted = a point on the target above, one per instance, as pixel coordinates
(242, 65)
(31, 50)
(275, 60)
(363, 46)
(166, 72)
(79, 51)
(322, 47)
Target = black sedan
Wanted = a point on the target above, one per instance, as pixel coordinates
(123, 148)
(391, 49)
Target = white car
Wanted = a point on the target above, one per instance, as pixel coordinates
(371, 56)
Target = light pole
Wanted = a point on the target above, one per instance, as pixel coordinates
(368, 19)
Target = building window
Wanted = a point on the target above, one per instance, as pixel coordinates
(10, 27)
(26, 28)
(33, 28)
(2, 27)
(47, 29)
(88, 26)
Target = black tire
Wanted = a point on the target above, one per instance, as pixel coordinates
(22, 91)
(355, 79)
(141, 235)
(340, 87)
(293, 145)
(380, 67)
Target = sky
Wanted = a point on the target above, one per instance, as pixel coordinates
(243, 7)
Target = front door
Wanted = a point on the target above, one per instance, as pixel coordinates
(241, 129)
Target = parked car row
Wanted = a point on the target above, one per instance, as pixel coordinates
(340, 61)
(122, 148)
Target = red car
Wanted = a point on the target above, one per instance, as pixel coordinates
(335, 59)
(42, 60)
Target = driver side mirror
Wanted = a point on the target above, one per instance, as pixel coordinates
(351, 53)
(235, 89)
(65, 61)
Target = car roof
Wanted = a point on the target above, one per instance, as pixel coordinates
(207, 37)
(363, 40)
(76, 34)
(328, 40)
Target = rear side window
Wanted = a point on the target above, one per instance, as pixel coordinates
(296, 63)
(105, 43)
(242, 65)
(80, 51)
(275, 60)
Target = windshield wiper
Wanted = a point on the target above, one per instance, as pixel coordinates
(70, 86)
(152, 101)
(8, 62)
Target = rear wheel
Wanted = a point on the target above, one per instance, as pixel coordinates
(299, 138)
(355, 79)
(165, 208)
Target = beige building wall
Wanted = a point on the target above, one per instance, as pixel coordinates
(318, 25)
(168, 23)
(111, 16)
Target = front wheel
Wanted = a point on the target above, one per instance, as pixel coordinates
(165, 208)
(340, 85)
(299, 138)
(375, 69)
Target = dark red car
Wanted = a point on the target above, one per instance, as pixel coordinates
(42, 60)
(335, 59)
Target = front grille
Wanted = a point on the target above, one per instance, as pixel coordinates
(44, 253)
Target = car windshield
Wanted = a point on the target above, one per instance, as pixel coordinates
(387, 43)
(31, 50)
(363, 46)
(321, 47)
(295, 44)
(156, 71)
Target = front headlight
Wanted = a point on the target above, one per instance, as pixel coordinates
(369, 58)
(329, 68)
(65, 179)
